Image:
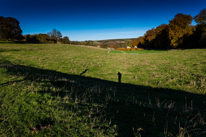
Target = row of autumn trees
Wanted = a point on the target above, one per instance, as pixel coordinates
(53, 36)
(179, 33)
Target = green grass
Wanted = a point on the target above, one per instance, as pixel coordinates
(69, 90)
(116, 51)
(136, 52)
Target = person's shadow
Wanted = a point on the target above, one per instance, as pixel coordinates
(131, 108)
(119, 77)
(83, 72)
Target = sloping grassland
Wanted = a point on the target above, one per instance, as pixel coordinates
(69, 90)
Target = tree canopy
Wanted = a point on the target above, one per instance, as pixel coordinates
(179, 33)
(178, 27)
(201, 17)
(10, 29)
(65, 40)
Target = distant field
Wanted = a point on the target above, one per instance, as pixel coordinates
(71, 90)
(136, 52)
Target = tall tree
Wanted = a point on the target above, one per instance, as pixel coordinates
(49, 34)
(148, 37)
(135, 43)
(201, 17)
(10, 29)
(200, 33)
(161, 40)
(54, 35)
(59, 35)
(65, 40)
(178, 27)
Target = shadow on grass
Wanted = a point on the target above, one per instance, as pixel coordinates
(83, 72)
(6, 50)
(10, 50)
(22, 42)
(134, 109)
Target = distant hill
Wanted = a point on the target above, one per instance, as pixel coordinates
(110, 42)
(126, 39)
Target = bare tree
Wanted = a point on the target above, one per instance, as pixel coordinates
(58, 35)
(55, 35)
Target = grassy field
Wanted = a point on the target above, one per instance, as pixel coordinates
(70, 90)
(136, 52)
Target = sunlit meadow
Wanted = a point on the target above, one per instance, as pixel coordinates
(71, 90)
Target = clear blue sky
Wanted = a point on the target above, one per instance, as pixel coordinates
(96, 19)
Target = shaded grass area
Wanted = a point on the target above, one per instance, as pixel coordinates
(65, 90)
(45, 102)
(6, 42)
(12, 42)
(22, 42)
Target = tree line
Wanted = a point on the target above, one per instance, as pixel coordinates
(179, 33)
(10, 30)
(53, 36)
